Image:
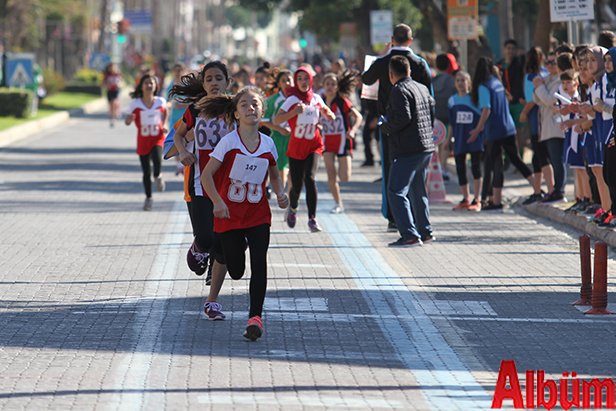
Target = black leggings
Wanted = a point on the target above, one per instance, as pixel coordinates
(609, 172)
(541, 156)
(303, 172)
(494, 163)
(234, 247)
(475, 166)
(156, 157)
(202, 217)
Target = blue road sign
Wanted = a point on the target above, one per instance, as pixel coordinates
(99, 61)
(19, 72)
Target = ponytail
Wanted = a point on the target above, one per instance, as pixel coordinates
(225, 106)
(346, 81)
(218, 106)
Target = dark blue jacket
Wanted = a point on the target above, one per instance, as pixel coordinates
(409, 119)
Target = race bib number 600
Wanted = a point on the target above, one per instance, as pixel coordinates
(150, 123)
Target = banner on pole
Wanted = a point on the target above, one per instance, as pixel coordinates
(571, 10)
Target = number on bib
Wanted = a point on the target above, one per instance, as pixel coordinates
(306, 131)
(240, 191)
(209, 134)
(149, 130)
(464, 117)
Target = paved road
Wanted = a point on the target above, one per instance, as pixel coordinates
(100, 312)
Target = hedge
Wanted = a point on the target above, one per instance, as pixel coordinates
(15, 102)
(82, 87)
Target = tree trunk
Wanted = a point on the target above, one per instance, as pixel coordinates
(477, 49)
(438, 20)
(362, 18)
(104, 23)
(543, 29)
(505, 19)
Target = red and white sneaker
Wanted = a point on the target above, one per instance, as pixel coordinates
(254, 329)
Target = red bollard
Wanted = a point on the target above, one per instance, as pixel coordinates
(586, 289)
(599, 288)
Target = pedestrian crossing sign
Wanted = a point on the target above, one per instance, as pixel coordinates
(19, 72)
(99, 61)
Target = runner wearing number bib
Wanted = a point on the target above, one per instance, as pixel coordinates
(204, 133)
(302, 110)
(280, 134)
(463, 118)
(241, 163)
(150, 114)
(339, 134)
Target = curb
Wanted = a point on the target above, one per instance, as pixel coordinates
(556, 213)
(30, 128)
(574, 220)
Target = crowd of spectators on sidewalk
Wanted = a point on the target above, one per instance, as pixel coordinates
(559, 106)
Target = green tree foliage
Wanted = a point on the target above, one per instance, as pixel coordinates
(323, 17)
(22, 18)
(238, 16)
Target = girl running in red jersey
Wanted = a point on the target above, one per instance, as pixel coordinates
(150, 115)
(241, 162)
(280, 134)
(112, 81)
(301, 110)
(338, 134)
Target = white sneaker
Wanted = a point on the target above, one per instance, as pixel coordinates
(338, 209)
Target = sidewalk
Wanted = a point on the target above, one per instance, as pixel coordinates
(100, 311)
(517, 189)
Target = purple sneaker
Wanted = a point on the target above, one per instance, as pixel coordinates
(212, 311)
(197, 261)
(314, 225)
(291, 218)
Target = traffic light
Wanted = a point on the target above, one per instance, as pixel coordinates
(121, 38)
(303, 43)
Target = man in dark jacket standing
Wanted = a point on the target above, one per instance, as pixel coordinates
(379, 70)
(408, 127)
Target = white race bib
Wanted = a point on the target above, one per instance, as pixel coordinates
(464, 117)
(150, 123)
(309, 116)
(333, 127)
(249, 169)
(209, 132)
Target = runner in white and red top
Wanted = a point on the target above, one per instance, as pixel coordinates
(339, 133)
(302, 110)
(240, 164)
(240, 180)
(150, 114)
(112, 81)
(206, 250)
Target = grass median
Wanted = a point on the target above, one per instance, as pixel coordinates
(50, 105)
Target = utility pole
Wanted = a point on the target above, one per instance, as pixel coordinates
(104, 19)
(505, 18)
